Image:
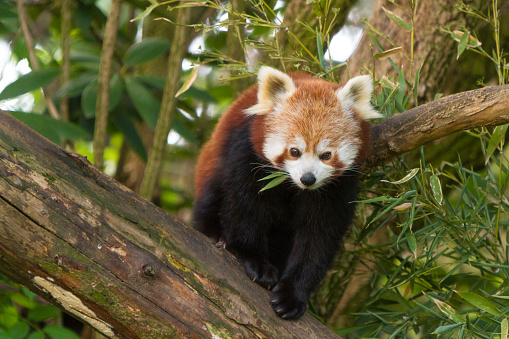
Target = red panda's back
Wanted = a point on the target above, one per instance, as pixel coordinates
(210, 155)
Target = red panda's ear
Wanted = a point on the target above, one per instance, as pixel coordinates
(273, 87)
(356, 95)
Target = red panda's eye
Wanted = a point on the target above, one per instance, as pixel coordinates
(294, 152)
(325, 156)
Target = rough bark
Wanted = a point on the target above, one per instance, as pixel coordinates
(404, 132)
(86, 243)
(99, 251)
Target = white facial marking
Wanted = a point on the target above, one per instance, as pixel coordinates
(301, 144)
(322, 145)
(273, 146)
(347, 152)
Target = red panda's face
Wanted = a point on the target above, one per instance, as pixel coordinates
(310, 131)
(310, 136)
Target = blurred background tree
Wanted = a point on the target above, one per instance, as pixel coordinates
(137, 87)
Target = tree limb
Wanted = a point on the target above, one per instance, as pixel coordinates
(404, 132)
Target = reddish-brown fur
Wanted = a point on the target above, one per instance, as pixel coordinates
(211, 152)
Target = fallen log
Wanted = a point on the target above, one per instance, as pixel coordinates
(86, 243)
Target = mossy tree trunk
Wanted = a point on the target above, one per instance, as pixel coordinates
(91, 246)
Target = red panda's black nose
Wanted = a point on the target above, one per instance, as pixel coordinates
(308, 179)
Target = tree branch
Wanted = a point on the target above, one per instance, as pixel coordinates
(404, 132)
(234, 44)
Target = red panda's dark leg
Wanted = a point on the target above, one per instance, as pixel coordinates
(320, 221)
(307, 264)
(245, 235)
(206, 211)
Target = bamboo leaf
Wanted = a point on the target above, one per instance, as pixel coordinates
(273, 175)
(388, 53)
(480, 302)
(273, 183)
(436, 189)
(446, 328)
(472, 41)
(397, 19)
(495, 141)
(189, 81)
(407, 177)
(462, 44)
(412, 243)
(448, 310)
(320, 50)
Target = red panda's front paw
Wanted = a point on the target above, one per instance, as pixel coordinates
(286, 302)
(262, 272)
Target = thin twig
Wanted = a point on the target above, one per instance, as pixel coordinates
(23, 19)
(66, 17)
(103, 83)
(235, 42)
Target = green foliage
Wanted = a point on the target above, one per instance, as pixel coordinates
(29, 82)
(53, 129)
(23, 315)
(145, 51)
(444, 269)
(276, 179)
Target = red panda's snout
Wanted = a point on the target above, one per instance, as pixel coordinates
(312, 167)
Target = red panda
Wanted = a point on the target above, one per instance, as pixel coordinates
(287, 236)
